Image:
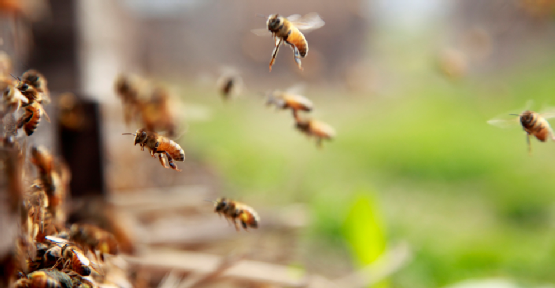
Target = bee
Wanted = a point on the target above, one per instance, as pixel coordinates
(93, 238)
(156, 113)
(53, 178)
(12, 98)
(39, 279)
(317, 129)
(234, 211)
(160, 145)
(289, 99)
(127, 88)
(230, 83)
(77, 259)
(30, 120)
(534, 124)
(288, 30)
(39, 84)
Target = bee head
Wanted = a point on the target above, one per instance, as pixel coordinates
(141, 136)
(302, 124)
(274, 22)
(220, 204)
(526, 116)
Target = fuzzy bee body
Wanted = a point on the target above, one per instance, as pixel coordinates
(285, 100)
(234, 211)
(160, 145)
(317, 129)
(288, 30)
(30, 120)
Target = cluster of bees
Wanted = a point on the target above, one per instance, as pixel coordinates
(48, 252)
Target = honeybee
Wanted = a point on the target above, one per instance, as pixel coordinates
(234, 211)
(127, 88)
(30, 120)
(156, 113)
(230, 84)
(77, 259)
(12, 98)
(93, 238)
(289, 30)
(39, 279)
(38, 82)
(160, 145)
(289, 99)
(534, 124)
(317, 129)
(53, 177)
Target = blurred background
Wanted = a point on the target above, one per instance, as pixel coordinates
(416, 190)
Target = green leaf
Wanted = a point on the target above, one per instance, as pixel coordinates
(364, 231)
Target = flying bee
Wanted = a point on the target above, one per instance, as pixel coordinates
(289, 99)
(156, 113)
(157, 144)
(288, 30)
(93, 238)
(127, 87)
(38, 82)
(230, 83)
(534, 124)
(234, 211)
(317, 129)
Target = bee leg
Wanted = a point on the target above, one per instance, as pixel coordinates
(244, 224)
(162, 161)
(170, 160)
(297, 56)
(319, 142)
(236, 226)
(274, 54)
(295, 115)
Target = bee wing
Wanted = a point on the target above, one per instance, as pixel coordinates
(504, 121)
(261, 32)
(308, 22)
(296, 89)
(548, 113)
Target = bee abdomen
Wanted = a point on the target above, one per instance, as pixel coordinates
(176, 152)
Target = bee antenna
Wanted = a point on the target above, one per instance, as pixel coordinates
(515, 114)
(16, 78)
(129, 134)
(261, 15)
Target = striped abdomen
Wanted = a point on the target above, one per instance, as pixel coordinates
(535, 125)
(297, 102)
(30, 119)
(296, 38)
(175, 151)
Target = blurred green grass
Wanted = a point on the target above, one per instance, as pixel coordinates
(466, 195)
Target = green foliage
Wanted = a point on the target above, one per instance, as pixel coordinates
(363, 229)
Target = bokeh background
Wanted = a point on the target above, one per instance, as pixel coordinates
(409, 87)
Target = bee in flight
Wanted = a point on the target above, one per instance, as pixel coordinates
(290, 99)
(317, 129)
(534, 124)
(157, 144)
(230, 84)
(288, 30)
(234, 211)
